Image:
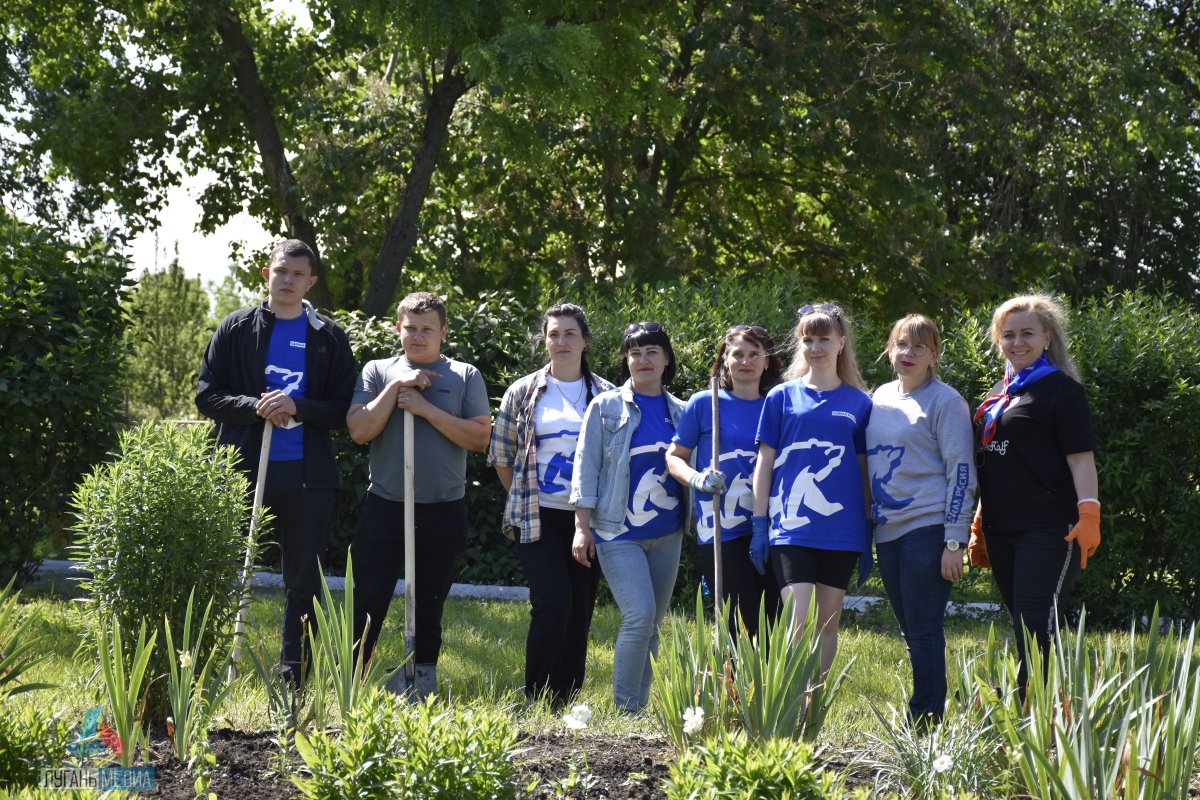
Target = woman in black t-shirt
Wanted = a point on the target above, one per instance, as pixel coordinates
(1039, 519)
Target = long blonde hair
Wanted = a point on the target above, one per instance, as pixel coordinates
(1053, 318)
(822, 319)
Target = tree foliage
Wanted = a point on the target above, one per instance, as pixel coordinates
(908, 154)
(169, 329)
(60, 357)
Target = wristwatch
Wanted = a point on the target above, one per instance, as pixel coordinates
(953, 544)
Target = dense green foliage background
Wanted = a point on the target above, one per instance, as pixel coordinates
(60, 345)
(907, 155)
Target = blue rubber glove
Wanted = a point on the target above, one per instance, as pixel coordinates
(709, 481)
(760, 543)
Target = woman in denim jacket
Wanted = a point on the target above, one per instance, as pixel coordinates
(629, 512)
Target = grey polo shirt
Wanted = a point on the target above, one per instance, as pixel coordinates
(441, 465)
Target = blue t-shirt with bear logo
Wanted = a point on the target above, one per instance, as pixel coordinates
(817, 485)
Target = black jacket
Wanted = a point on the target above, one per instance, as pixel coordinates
(233, 377)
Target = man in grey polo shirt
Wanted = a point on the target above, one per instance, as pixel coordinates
(450, 404)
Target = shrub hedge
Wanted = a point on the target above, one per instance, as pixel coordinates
(60, 358)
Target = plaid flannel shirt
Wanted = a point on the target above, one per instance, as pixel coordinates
(514, 446)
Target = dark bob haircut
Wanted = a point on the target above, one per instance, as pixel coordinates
(644, 334)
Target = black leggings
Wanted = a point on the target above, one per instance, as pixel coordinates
(1035, 571)
(378, 551)
(741, 583)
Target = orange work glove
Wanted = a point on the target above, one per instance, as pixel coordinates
(1086, 532)
(977, 552)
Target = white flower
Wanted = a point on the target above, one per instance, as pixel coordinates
(577, 718)
(693, 720)
(942, 763)
(185, 659)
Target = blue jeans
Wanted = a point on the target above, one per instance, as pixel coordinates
(911, 567)
(641, 574)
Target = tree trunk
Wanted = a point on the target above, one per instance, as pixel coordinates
(402, 233)
(260, 119)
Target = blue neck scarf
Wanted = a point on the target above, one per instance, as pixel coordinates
(991, 408)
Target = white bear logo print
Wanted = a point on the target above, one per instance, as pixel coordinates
(789, 502)
(650, 498)
(291, 380)
(738, 500)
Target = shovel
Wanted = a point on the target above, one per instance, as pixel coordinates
(718, 571)
(403, 680)
(264, 458)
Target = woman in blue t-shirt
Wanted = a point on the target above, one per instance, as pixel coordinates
(811, 473)
(747, 366)
(629, 513)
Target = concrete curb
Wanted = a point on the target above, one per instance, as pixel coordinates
(519, 594)
(273, 580)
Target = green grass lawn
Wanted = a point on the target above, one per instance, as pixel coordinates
(483, 661)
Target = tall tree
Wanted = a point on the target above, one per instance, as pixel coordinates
(168, 331)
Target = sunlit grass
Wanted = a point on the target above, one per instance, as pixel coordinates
(483, 662)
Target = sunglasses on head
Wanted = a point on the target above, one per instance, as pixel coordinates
(828, 308)
(648, 327)
(757, 330)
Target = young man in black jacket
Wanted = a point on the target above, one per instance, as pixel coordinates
(282, 361)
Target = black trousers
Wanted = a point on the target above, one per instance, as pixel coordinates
(562, 596)
(378, 552)
(302, 520)
(742, 587)
(1035, 571)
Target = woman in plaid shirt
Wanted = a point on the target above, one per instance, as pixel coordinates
(533, 451)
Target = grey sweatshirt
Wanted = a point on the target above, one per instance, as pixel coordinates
(920, 455)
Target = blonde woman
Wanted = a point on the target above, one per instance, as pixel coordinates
(1039, 520)
(919, 453)
(810, 474)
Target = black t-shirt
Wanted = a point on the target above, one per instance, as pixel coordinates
(1024, 479)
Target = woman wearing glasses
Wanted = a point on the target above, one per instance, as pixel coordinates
(1040, 519)
(919, 455)
(533, 451)
(629, 513)
(746, 366)
(811, 473)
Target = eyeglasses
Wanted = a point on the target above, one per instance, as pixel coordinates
(648, 327)
(828, 308)
(757, 330)
(917, 350)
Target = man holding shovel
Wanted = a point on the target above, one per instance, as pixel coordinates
(282, 362)
(450, 405)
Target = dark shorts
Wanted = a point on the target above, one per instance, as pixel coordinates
(797, 564)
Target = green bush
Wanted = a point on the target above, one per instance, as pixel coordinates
(389, 748)
(30, 738)
(60, 357)
(167, 516)
(729, 766)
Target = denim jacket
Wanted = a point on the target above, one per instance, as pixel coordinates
(601, 479)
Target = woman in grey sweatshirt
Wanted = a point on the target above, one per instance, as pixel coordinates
(920, 458)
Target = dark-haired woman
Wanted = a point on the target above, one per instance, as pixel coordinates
(811, 473)
(746, 366)
(629, 513)
(533, 451)
(1040, 516)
